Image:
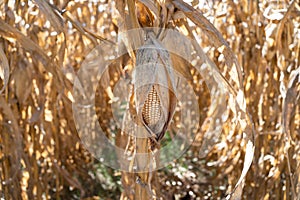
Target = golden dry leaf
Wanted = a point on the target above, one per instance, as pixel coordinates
(144, 15)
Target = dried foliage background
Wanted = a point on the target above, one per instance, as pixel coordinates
(41, 156)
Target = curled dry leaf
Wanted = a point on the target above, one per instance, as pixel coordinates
(219, 87)
(233, 85)
(215, 38)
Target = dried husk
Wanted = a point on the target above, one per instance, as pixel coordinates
(154, 70)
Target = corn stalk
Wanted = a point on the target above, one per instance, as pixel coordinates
(153, 99)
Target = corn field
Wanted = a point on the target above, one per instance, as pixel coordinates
(201, 99)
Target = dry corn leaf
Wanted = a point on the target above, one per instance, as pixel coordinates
(69, 178)
(215, 38)
(4, 69)
(120, 5)
(61, 42)
(151, 6)
(133, 22)
(238, 104)
(79, 27)
(54, 17)
(291, 100)
(135, 38)
(281, 42)
(22, 77)
(16, 140)
(144, 15)
(10, 32)
(218, 113)
(180, 52)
